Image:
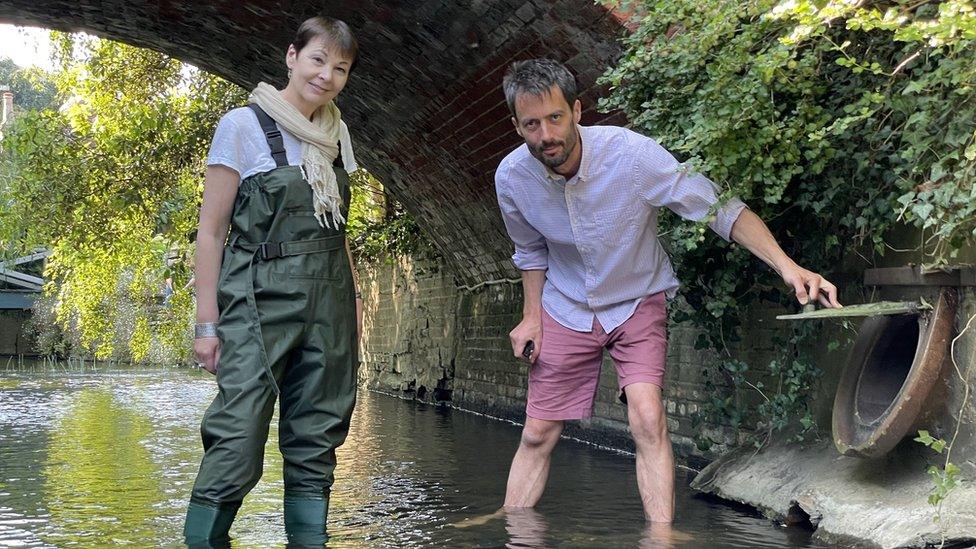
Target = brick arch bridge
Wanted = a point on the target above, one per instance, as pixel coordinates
(425, 105)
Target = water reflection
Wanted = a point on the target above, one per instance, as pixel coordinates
(97, 464)
(526, 528)
(99, 458)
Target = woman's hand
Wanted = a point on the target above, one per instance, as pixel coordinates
(207, 350)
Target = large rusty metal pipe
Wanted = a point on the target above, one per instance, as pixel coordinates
(894, 366)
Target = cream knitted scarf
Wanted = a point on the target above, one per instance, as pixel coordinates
(320, 147)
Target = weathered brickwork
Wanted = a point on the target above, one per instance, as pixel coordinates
(409, 329)
(425, 337)
(961, 410)
(424, 104)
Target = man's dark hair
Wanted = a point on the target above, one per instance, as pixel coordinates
(537, 77)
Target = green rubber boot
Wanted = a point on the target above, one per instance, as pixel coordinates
(305, 521)
(208, 525)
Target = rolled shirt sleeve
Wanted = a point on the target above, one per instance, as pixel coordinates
(531, 252)
(665, 182)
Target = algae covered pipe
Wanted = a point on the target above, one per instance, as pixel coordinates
(881, 308)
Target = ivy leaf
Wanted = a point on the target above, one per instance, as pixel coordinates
(922, 210)
(914, 86)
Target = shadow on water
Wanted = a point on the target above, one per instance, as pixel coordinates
(107, 456)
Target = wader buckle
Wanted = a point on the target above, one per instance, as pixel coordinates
(269, 250)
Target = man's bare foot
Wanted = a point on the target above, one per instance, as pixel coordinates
(478, 521)
(663, 535)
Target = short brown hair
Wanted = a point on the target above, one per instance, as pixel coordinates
(537, 77)
(334, 32)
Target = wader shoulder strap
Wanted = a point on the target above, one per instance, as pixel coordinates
(272, 134)
(277, 144)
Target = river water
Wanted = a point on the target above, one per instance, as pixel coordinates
(93, 457)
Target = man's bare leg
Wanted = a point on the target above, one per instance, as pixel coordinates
(530, 467)
(655, 461)
(529, 473)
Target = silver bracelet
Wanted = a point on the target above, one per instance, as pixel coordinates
(204, 329)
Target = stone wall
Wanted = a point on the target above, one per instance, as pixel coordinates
(960, 406)
(409, 340)
(428, 338)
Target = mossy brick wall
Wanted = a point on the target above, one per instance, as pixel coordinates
(409, 328)
(427, 338)
(424, 104)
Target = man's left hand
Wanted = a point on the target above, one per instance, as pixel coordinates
(809, 284)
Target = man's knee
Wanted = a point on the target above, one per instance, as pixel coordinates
(541, 434)
(648, 423)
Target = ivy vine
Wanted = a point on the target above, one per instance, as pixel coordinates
(835, 121)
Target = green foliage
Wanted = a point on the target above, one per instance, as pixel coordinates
(925, 438)
(835, 121)
(111, 184)
(945, 479)
(379, 227)
(782, 392)
(33, 88)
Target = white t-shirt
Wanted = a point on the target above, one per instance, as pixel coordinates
(240, 144)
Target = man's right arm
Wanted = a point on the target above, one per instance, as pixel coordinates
(532, 259)
(530, 329)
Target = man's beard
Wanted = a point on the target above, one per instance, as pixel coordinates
(552, 161)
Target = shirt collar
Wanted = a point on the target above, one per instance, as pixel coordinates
(582, 175)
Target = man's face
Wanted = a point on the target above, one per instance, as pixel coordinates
(548, 125)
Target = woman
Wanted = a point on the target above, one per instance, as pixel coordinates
(283, 317)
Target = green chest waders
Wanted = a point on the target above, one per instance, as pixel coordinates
(287, 329)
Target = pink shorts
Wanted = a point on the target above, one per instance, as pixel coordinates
(564, 380)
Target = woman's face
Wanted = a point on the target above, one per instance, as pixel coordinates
(318, 72)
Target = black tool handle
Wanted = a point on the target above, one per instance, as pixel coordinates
(529, 349)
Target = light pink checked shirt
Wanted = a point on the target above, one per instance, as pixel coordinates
(596, 233)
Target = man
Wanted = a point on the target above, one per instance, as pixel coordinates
(581, 204)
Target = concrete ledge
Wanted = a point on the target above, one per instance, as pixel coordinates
(881, 502)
